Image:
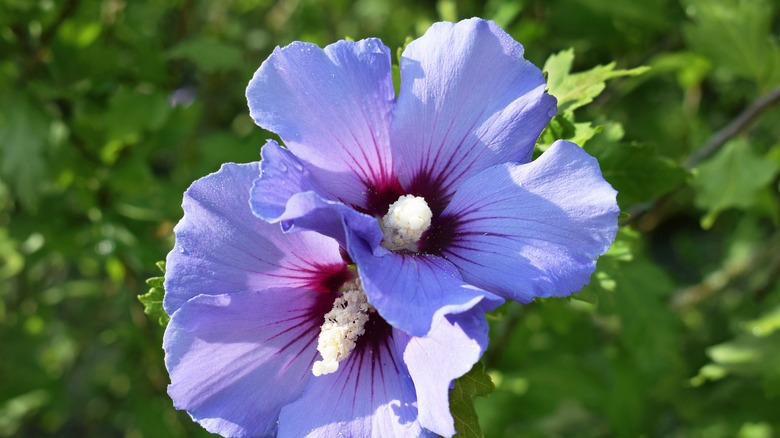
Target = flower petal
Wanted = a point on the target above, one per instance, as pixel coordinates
(414, 291)
(221, 247)
(282, 175)
(533, 230)
(236, 359)
(410, 292)
(286, 193)
(332, 108)
(370, 395)
(454, 346)
(468, 100)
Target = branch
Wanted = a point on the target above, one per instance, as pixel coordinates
(739, 124)
(713, 145)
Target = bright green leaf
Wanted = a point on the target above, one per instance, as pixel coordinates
(474, 383)
(153, 299)
(731, 179)
(574, 90)
(766, 324)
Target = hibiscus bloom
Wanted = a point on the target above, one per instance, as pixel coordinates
(433, 191)
(271, 333)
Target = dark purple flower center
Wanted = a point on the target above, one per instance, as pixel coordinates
(442, 231)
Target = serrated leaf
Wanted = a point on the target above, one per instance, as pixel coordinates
(472, 384)
(574, 90)
(153, 300)
(733, 178)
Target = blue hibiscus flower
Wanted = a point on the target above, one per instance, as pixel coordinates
(434, 192)
(272, 335)
(431, 196)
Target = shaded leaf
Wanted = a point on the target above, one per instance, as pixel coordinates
(474, 383)
(639, 173)
(23, 134)
(737, 36)
(733, 178)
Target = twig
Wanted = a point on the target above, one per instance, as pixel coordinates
(742, 121)
(713, 145)
(731, 272)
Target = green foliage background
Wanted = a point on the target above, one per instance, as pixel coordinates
(678, 333)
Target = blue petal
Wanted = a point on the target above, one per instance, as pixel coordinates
(410, 292)
(221, 247)
(286, 193)
(468, 100)
(282, 175)
(236, 359)
(332, 108)
(414, 291)
(370, 395)
(533, 230)
(448, 352)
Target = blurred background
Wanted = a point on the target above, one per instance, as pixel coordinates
(110, 109)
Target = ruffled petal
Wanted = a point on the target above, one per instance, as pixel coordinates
(448, 352)
(282, 175)
(371, 395)
(533, 230)
(332, 108)
(409, 291)
(286, 193)
(468, 100)
(221, 247)
(414, 291)
(236, 359)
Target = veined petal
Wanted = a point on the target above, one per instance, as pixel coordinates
(408, 291)
(371, 395)
(332, 108)
(533, 230)
(287, 194)
(454, 345)
(236, 359)
(282, 175)
(221, 247)
(414, 291)
(468, 100)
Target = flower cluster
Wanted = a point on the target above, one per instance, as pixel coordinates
(338, 287)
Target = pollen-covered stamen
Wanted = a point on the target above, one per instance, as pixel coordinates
(405, 222)
(343, 325)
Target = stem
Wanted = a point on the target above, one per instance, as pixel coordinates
(746, 118)
(739, 124)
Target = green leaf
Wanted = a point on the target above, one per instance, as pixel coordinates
(639, 173)
(23, 135)
(153, 299)
(733, 178)
(561, 127)
(737, 36)
(574, 90)
(474, 383)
